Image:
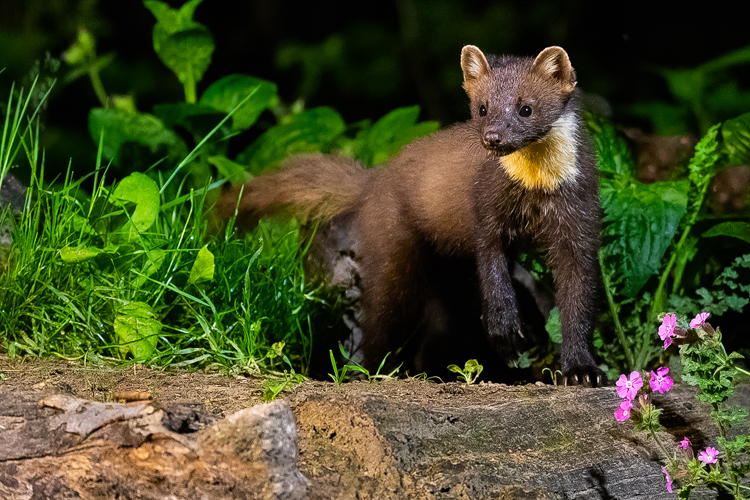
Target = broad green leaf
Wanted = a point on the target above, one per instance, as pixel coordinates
(642, 220)
(72, 255)
(554, 326)
(141, 190)
(226, 93)
(137, 330)
(123, 130)
(203, 267)
(183, 45)
(739, 230)
(736, 135)
(306, 132)
(233, 171)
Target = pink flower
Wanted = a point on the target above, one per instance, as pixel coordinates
(699, 319)
(669, 479)
(628, 388)
(666, 330)
(685, 443)
(623, 412)
(709, 455)
(660, 381)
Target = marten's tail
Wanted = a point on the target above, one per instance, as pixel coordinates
(308, 187)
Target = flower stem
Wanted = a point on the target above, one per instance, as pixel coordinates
(613, 309)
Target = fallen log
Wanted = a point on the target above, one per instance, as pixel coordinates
(402, 439)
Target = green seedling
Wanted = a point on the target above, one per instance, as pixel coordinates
(470, 371)
(552, 374)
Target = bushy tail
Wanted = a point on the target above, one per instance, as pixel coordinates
(308, 187)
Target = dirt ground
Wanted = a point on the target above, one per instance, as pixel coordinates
(216, 391)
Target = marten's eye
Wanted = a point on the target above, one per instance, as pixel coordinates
(482, 110)
(525, 111)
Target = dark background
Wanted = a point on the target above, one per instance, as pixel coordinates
(380, 55)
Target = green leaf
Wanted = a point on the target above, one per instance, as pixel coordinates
(182, 44)
(613, 154)
(642, 220)
(123, 130)
(233, 171)
(736, 135)
(554, 326)
(306, 132)
(141, 190)
(137, 330)
(392, 132)
(203, 267)
(740, 230)
(226, 93)
(72, 255)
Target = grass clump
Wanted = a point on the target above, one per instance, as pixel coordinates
(130, 272)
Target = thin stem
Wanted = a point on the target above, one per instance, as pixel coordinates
(96, 82)
(614, 311)
(658, 304)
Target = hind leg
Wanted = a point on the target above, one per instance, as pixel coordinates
(392, 284)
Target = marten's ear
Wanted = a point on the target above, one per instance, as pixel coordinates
(554, 63)
(474, 66)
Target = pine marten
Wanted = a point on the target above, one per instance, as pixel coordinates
(520, 172)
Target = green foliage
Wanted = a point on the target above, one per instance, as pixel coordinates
(129, 272)
(649, 238)
(469, 373)
(134, 140)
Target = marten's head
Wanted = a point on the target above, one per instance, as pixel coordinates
(515, 101)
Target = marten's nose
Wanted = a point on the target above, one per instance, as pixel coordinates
(492, 139)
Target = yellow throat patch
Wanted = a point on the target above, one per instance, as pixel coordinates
(549, 162)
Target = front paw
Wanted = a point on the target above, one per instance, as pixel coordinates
(585, 375)
(508, 342)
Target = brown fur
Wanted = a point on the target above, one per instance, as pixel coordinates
(480, 189)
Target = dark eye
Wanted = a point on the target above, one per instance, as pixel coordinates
(482, 110)
(525, 111)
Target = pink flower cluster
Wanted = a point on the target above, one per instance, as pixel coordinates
(668, 329)
(628, 387)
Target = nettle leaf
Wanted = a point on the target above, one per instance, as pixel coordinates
(226, 93)
(736, 135)
(612, 152)
(137, 330)
(306, 132)
(183, 45)
(740, 230)
(643, 219)
(203, 267)
(391, 133)
(141, 190)
(123, 131)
